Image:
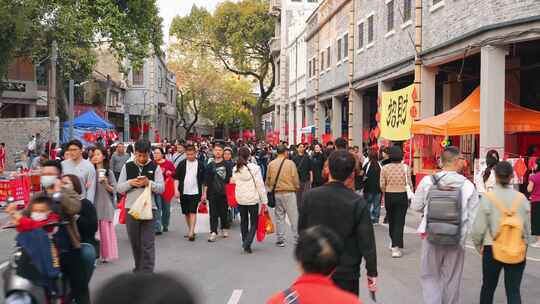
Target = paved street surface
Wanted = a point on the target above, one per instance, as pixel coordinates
(221, 273)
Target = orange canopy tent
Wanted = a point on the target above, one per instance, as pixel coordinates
(464, 119)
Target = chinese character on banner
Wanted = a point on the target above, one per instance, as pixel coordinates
(396, 115)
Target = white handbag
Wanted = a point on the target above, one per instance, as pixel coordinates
(142, 207)
(410, 193)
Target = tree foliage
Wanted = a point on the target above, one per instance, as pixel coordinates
(131, 27)
(206, 90)
(237, 35)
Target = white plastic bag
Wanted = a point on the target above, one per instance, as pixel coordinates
(142, 208)
(203, 223)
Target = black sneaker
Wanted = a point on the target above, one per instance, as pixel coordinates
(248, 250)
(280, 243)
(165, 229)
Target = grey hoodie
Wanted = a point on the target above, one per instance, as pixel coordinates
(450, 179)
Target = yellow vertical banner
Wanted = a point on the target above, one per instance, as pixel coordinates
(396, 117)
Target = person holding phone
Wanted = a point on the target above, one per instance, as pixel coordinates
(135, 176)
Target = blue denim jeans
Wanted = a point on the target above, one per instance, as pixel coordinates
(88, 257)
(374, 204)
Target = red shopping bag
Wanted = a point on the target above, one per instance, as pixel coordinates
(261, 225)
(230, 192)
(122, 206)
(203, 208)
(168, 194)
(269, 225)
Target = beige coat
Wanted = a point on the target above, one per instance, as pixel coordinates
(288, 178)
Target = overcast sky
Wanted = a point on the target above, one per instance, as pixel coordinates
(168, 9)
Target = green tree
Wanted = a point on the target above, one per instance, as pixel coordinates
(132, 28)
(205, 90)
(235, 98)
(238, 36)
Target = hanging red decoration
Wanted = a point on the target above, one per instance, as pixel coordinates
(414, 112)
(365, 135)
(376, 132)
(413, 94)
(378, 117)
(532, 162)
(87, 136)
(520, 168)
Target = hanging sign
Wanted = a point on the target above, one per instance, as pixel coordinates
(395, 114)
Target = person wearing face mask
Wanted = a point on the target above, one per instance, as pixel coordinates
(77, 258)
(40, 215)
(33, 237)
(78, 264)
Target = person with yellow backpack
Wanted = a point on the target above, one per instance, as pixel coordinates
(501, 234)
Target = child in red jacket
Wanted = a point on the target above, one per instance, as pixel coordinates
(40, 215)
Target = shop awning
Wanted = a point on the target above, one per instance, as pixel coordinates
(464, 119)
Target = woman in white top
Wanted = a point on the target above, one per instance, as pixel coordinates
(250, 192)
(485, 180)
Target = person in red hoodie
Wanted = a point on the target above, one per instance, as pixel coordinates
(39, 215)
(317, 253)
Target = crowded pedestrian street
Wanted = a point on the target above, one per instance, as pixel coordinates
(270, 151)
(221, 273)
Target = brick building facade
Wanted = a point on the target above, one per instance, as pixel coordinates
(357, 49)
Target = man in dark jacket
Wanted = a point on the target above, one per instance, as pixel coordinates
(188, 180)
(356, 230)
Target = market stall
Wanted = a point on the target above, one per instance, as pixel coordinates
(88, 127)
(460, 127)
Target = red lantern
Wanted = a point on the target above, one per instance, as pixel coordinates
(378, 117)
(376, 132)
(413, 94)
(88, 136)
(414, 112)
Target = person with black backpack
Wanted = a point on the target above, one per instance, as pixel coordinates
(217, 174)
(449, 202)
